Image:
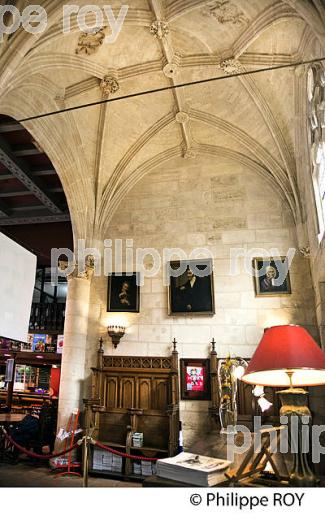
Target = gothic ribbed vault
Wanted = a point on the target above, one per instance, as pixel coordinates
(101, 152)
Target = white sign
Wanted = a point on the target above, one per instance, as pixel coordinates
(17, 280)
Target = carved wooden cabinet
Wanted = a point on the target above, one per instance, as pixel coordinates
(135, 394)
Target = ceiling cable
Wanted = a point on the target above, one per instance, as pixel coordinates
(171, 87)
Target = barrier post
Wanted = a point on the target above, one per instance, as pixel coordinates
(85, 460)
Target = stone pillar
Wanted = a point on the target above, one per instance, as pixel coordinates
(75, 343)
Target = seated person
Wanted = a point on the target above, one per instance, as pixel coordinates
(36, 430)
(47, 423)
(26, 430)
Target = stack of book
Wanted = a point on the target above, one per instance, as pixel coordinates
(146, 468)
(137, 440)
(105, 461)
(193, 469)
(117, 462)
(137, 468)
(102, 460)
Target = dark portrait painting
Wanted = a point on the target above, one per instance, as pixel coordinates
(123, 293)
(271, 276)
(191, 287)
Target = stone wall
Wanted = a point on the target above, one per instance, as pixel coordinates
(219, 205)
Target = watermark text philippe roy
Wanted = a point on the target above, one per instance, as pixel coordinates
(120, 256)
(88, 19)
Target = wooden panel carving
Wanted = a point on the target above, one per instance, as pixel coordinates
(137, 362)
(127, 392)
(161, 394)
(111, 392)
(144, 394)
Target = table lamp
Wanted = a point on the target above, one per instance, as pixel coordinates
(287, 356)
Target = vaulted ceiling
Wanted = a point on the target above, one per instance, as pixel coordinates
(100, 152)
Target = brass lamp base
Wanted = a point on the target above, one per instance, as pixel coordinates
(294, 406)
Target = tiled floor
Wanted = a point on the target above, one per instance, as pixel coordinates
(24, 475)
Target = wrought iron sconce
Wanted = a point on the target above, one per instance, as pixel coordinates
(115, 332)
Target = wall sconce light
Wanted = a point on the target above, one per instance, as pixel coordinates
(115, 332)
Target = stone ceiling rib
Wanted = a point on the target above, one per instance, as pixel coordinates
(46, 85)
(306, 40)
(182, 7)
(45, 62)
(169, 54)
(250, 59)
(139, 69)
(270, 121)
(82, 86)
(14, 51)
(301, 135)
(103, 111)
(270, 17)
(122, 74)
(255, 59)
(313, 12)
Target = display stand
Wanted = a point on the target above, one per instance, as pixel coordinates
(68, 443)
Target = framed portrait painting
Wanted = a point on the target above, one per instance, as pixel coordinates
(190, 289)
(123, 293)
(195, 379)
(271, 276)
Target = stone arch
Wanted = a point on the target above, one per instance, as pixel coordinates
(51, 140)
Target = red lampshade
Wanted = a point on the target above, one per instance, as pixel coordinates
(283, 348)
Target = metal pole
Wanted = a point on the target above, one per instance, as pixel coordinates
(10, 388)
(85, 461)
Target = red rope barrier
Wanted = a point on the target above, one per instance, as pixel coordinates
(53, 455)
(36, 455)
(125, 455)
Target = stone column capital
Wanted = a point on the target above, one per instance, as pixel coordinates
(77, 270)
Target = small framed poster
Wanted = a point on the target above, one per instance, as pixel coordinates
(42, 343)
(123, 293)
(28, 347)
(59, 344)
(195, 379)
